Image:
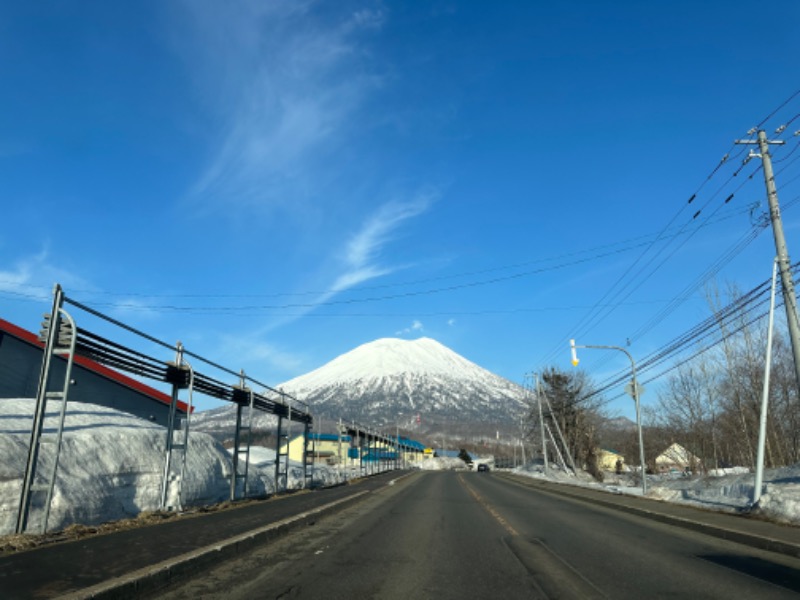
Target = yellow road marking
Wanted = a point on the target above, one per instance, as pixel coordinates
(489, 508)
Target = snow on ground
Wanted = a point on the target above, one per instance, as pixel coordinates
(439, 463)
(728, 490)
(111, 468)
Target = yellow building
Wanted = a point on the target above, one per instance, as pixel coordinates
(325, 448)
(329, 448)
(607, 460)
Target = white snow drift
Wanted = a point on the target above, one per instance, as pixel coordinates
(111, 466)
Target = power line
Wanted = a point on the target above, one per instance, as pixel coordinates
(711, 271)
(779, 107)
(614, 249)
(738, 309)
(596, 316)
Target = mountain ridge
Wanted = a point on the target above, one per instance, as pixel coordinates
(419, 385)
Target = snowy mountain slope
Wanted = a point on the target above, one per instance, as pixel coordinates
(224, 419)
(376, 382)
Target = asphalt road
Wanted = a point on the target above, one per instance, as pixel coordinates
(477, 535)
(60, 569)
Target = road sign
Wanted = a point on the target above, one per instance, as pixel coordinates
(629, 389)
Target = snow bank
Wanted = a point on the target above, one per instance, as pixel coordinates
(111, 467)
(780, 495)
(781, 501)
(728, 490)
(439, 463)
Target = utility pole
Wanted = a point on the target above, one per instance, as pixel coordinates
(541, 424)
(784, 264)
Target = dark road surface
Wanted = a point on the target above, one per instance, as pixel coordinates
(53, 571)
(476, 535)
(425, 535)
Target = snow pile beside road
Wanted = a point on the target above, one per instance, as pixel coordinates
(111, 467)
(556, 474)
(260, 456)
(727, 471)
(780, 498)
(731, 492)
(781, 501)
(440, 463)
(103, 473)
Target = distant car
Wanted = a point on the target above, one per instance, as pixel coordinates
(483, 467)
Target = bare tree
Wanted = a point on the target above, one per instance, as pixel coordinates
(572, 405)
(687, 410)
(712, 405)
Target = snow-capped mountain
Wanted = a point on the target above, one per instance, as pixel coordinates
(420, 384)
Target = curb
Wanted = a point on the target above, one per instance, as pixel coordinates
(740, 537)
(154, 577)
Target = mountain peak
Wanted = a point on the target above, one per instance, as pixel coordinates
(390, 356)
(432, 386)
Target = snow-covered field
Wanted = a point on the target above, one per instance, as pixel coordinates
(111, 468)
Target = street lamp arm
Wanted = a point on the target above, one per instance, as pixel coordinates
(635, 387)
(620, 348)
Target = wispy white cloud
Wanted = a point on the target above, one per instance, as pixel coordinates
(415, 327)
(363, 252)
(259, 355)
(284, 83)
(140, 308)
(365, 247)
(18, 279)
(361, 259)
(34, 276)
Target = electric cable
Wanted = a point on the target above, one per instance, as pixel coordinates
(738, 309)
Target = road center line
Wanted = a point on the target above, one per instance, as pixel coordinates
(488, 507)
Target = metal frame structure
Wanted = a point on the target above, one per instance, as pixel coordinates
(367, 440)
(62, 337)
(282, 458)
(546, 431)
(181, 375)
(308, 474)
(244, 397)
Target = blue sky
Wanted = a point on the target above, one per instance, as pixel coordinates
(276, 183)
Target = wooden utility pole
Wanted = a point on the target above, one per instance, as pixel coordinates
(782, 253)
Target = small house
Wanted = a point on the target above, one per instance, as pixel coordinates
(327, 448)
(676, 458)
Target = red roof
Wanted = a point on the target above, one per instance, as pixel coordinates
(96, 367)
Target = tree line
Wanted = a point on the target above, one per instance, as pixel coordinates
(710, 405)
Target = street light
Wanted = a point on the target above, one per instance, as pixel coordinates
(635, 393)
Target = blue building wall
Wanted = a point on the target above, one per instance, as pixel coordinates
(21, 362)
